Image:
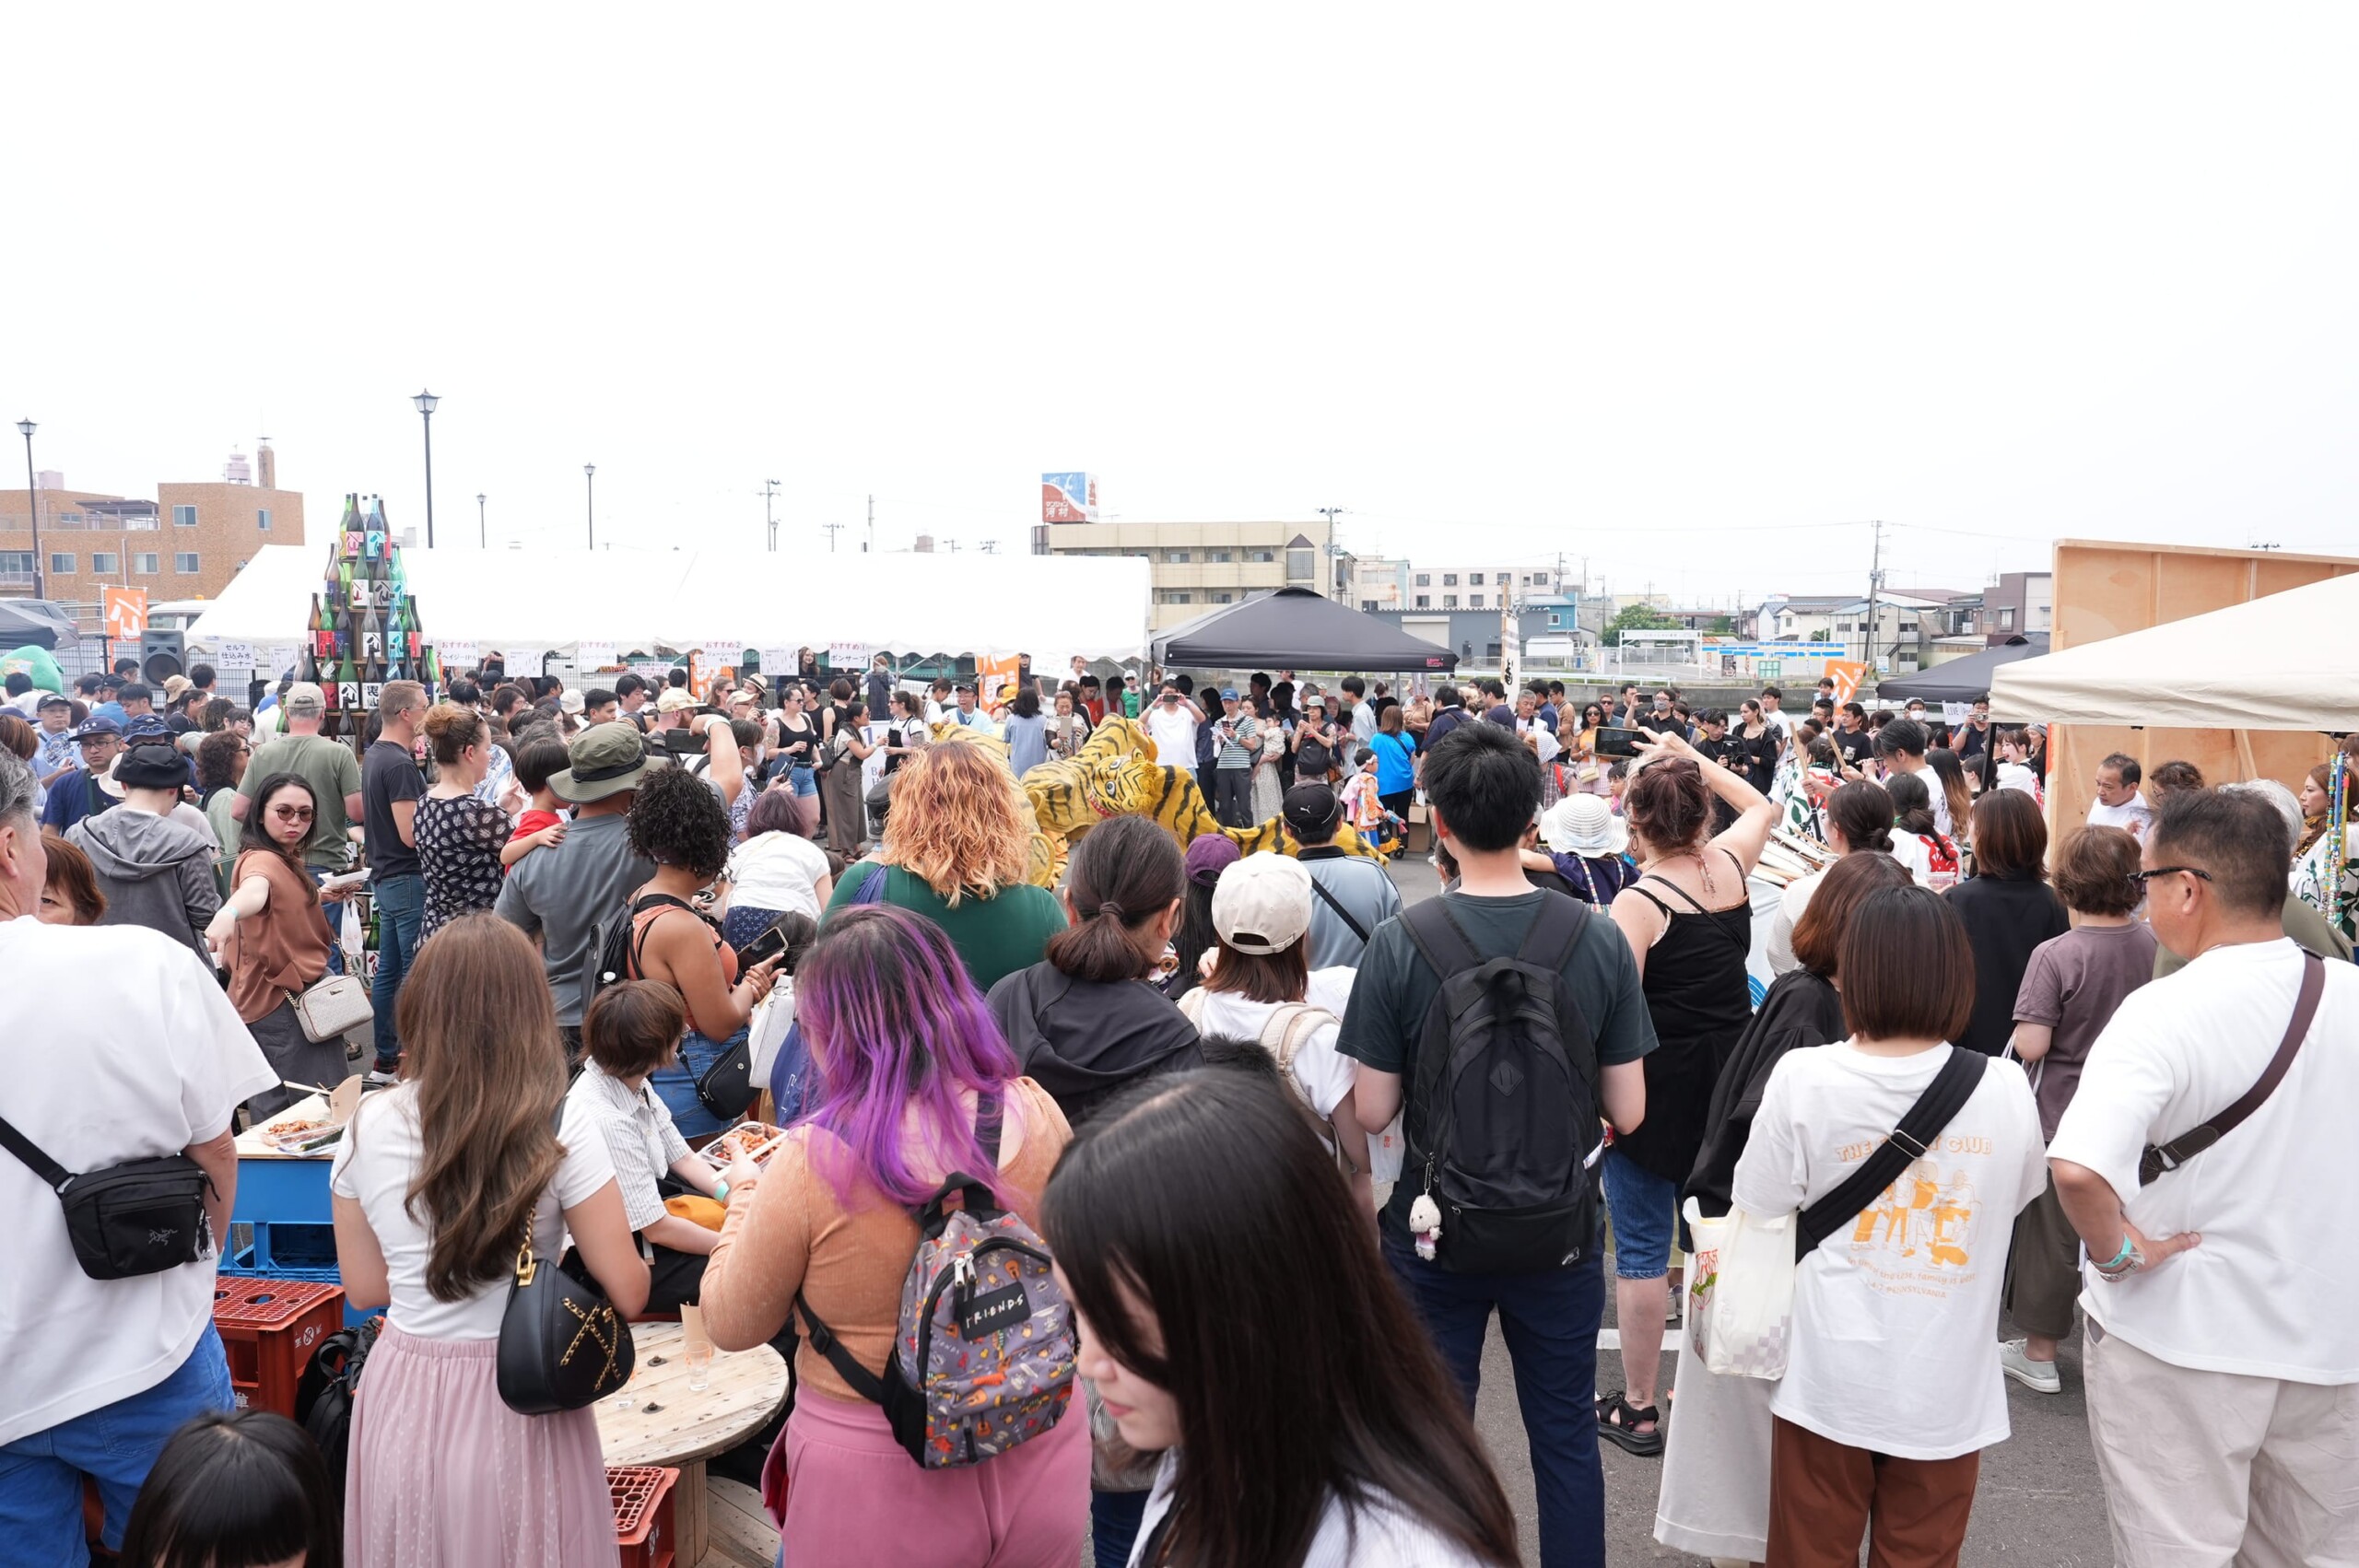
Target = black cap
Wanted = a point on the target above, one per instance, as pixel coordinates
(1311, 810)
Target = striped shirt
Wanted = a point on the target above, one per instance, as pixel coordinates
(639, 1135)
(1232, 748)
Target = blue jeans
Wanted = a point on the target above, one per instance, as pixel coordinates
(1549, 1320)
(677, 1085)
(802, 782)
(401, 905)
(1644, 1207)
(40, 1474)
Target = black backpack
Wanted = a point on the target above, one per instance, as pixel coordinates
(1502, 1124)
(614, 957)
(325, 1393)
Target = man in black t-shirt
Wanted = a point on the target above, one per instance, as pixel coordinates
(391, 787)
(1482, 785)
(1851, 737)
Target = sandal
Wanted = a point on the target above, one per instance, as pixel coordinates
(1617, 1423)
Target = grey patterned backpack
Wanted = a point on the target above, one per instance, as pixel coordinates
(983, 1357)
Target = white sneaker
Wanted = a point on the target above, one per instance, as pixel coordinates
(381, 1079)
(2039, 1376)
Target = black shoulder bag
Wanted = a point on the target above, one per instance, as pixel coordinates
(141, 1217)
(1925, 1121)
(562, 1344)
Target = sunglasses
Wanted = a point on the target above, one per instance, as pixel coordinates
(291, 813)
(2141, 877)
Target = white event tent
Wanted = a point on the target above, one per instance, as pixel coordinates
(987, 605)
(2283, 661)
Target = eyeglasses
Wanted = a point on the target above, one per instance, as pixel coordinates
(291, 813)
(2139, 877)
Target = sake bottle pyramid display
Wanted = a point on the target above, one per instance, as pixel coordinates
(364, 627)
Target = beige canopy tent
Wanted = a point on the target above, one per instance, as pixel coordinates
(2286, 661)
(2236, 661)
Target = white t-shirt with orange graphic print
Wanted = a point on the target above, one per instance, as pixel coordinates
(1895, 1345)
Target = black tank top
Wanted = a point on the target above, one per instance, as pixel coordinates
(1700, 1000)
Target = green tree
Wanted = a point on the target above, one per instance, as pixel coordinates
(1636, 618)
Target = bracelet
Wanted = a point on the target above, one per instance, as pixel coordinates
(720, 1190)
(2118, 1259)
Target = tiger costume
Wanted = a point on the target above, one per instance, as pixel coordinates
(1114, 774)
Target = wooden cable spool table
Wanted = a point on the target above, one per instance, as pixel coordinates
(669, 1424)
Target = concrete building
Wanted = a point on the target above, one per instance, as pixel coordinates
(1198, 566)
(186, 544)
(1476, 587)
(1376, 582)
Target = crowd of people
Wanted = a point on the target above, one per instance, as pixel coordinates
(1289, 1141)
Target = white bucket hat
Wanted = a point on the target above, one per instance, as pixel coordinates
(1584, 825)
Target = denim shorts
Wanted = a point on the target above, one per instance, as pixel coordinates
(1644, 1207)
(802, 782)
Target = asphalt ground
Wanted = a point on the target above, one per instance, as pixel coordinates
(2038, 1503)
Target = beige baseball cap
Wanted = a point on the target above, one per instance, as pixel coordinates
(1262, 905)
(304, 700)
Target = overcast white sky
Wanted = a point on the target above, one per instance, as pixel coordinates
(1688, 292)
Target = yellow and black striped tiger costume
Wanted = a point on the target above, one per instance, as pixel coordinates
(1114, 774)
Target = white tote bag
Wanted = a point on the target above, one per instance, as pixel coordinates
(1741, 1295)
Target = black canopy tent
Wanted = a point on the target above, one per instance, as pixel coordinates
(1958, 680)
(1297, 630)
(35, 622)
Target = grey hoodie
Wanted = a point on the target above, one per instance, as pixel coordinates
(155, 872)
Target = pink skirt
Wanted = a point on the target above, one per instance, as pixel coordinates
(443, 1474)
(854, 1495)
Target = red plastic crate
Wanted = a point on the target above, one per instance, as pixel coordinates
(642, 1498)
(271, 1329)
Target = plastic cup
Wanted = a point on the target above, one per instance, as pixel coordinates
(700, 1360)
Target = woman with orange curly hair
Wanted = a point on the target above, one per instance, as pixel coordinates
(957, 849)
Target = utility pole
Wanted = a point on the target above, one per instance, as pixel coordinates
(871, 545)
(951, 544)
(991, 547)
(833, 529)
(1875, 581)
(769, 494)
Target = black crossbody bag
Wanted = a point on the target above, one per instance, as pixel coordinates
(1924, 1122)
(141, 1217)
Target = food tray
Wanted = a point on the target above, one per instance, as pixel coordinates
(756, 1139)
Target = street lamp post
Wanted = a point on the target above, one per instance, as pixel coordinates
(32, 499)
(426, 402)
(590, 483)
(480, 544)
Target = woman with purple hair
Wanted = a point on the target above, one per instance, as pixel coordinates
(907, 1070)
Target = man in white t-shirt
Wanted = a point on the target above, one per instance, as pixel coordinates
(2223, 1386)
(1170, 723)
(1772, 713)
(95, 1374)
(2119, 804)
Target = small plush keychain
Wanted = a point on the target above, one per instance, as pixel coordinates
(1425, 1224)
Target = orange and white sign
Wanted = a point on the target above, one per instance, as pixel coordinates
(126, 613)
(995, 679)
(1847, 674)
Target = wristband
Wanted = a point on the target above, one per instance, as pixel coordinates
(2128, 1250)
(720, 1190)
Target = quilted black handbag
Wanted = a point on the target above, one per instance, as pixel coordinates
(562, 1344)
